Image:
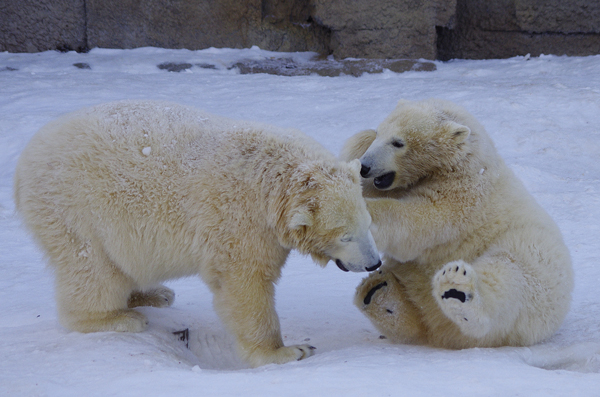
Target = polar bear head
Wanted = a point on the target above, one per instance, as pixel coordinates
(328, 217)
(416, 140)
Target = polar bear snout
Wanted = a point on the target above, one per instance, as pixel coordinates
(364, 171)
(383, 175)
(367, 170)
(382, 181)
(359, 255)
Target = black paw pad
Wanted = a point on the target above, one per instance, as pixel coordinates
(452, 293)
(370, 294)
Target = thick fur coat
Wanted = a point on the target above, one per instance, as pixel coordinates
(125, 195)
(470, 258)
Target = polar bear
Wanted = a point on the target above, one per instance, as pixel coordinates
(125, 195)
(470, 259)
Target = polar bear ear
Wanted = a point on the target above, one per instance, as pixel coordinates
(458, 132)
(299, 219)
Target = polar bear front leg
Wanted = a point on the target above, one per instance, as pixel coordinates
(455, 287)
(246, 304)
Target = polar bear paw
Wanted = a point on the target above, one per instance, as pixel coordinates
(281, 355)
(160, 296)
(373, 293)
(455, 290)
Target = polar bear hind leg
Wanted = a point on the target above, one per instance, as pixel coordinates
(482, 298)
(92, 292)
(384, 301)
(455, 289)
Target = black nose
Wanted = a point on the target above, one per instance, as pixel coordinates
(370, 269)
(364, 170)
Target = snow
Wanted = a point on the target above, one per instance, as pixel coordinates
(542, 112)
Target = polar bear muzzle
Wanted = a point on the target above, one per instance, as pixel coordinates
(382, 181)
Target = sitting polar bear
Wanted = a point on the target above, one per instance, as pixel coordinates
(125, 195)
(470, 258)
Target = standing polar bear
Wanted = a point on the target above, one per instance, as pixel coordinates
(125, 195)
(470, 258)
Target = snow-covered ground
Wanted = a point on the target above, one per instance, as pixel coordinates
(543, 113)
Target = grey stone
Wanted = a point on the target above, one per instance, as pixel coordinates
(545, 16)
(507, 28)
(386, 28)
(493, 15)
(288, 25)
(206, 66)
(191, 24)
(82, 65)
(40, 25)
(330, 67)
(174, 67)
(198, 24)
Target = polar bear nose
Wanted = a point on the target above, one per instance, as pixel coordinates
(370, 269)
(364, 170)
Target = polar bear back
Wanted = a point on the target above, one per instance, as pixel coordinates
(161, 167)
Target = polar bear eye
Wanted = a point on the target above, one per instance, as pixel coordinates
(397, 144)
(346, 239)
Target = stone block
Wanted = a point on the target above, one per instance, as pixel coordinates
(196, 24)
(554, 16)
(191, 24)
(40, 25)
(385, 28)
(506, 28)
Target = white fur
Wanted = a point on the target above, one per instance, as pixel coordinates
(125, 195)
(471, 258)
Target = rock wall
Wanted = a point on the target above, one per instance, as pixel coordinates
(197, 24)
(38, 25)
(384, 28)
(392, 29)
(505, 28)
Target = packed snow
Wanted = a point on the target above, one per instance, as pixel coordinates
(542, 112)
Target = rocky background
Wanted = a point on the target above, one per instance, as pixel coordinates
(382, 29)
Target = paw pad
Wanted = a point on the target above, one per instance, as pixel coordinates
(370, 294)
(455, 283)
(453, 293)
